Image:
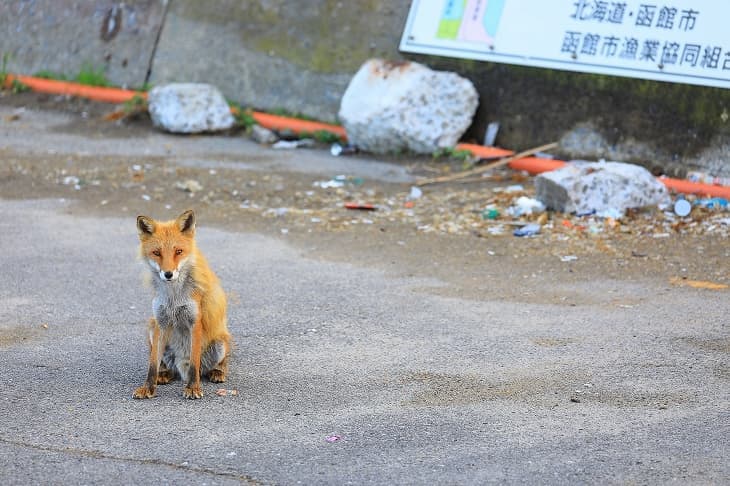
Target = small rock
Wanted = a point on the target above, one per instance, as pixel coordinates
(189, 108)
(263, 135)
(599, 187)
(393, 106)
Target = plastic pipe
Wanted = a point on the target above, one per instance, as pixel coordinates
(533, 165)
(537, 165)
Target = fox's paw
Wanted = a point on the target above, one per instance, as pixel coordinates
(193, 392)
(164, 377)
(144, 392)
(217, 376)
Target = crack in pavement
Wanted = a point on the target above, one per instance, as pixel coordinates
(155, 462)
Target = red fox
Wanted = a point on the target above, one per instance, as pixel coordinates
(188, 335)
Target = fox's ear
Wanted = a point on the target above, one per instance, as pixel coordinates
(145, 225)
(186, 222)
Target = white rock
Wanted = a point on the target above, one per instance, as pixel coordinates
(389, 107)
(601, 187)
(189, 108)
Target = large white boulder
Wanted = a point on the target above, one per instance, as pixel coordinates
(605, 188)
(394, 106)
(189, 108)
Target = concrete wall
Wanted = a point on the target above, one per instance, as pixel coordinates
(300, 55)
(63, 36)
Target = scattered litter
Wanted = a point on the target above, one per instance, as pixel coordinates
(568, 258)
(525, 206)
(190, 185)
(71, 181)
(713, 203)
(338, 149)
(293, 144)
(415, 193)
(223, 392)
(490, 212)
(333, 438)
(496, 230)
(511, 189)
(697, 284)
(339, 181)
(360, 206)
(682, 208)
(490, 135)
(146, 197)
(530, 229)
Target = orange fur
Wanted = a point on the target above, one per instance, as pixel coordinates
(186, 287)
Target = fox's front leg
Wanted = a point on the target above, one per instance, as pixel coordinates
(192, 388)
(150, 386)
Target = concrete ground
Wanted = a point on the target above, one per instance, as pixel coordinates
(366, 355)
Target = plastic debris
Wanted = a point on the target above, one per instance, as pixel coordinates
(415, 193)
(293, 144)
(568, 258)
(526, 206)
(713, 203)
(531, 229)
(333, 438)
(190, 185)
(222, 392)
(338, 149)
(360, 206)
(490, 212)
(682, 207)
(490, 136)
(697, 284)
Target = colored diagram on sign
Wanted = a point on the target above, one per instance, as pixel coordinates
(470, 20)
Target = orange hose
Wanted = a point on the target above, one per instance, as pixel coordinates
(276, 122)
(52, 86)
(537, 165)
(533, 165)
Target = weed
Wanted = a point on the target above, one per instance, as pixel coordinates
(4, 69)
(91, 76)
(244, 116)
(18, 87)
(322, 136)
(135, 105)
(452, 153)
(45, 74)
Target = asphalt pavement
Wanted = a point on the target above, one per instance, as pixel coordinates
(344, 375)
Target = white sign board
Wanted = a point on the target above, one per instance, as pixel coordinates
(682, 41)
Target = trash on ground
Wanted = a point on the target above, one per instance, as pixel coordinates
(333, 438)
(530, 229)
(682, 208)
(490, 135)
(526, 206)
(338, 149)
(568, 258)
(223, 392)
(190, 185)
(697, 284)
(415, 193)
(293, 144)
(360, 206)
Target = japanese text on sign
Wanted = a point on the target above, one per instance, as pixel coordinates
(666, 40)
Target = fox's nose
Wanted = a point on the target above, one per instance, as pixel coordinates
(168, 275)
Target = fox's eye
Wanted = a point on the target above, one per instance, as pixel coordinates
(178, 252)
(156, 253)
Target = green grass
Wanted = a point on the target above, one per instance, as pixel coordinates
(46, 74)
(452, 153)
(91, 76)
